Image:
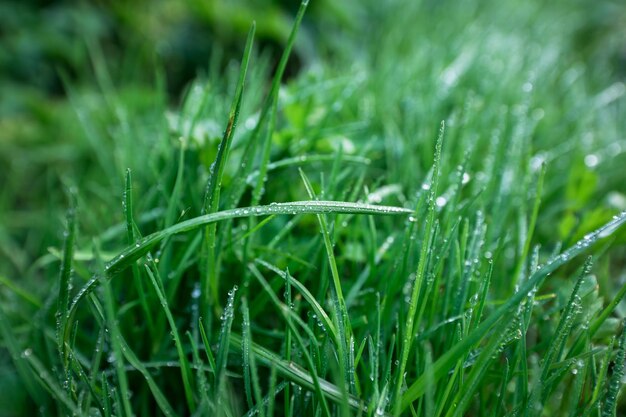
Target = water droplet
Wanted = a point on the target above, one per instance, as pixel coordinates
(591, 160)
(195, 294)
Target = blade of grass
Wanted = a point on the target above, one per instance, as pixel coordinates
(564, 326)
(20, 292)
(65, 282)
(182, 358)
(240, 179)
(251, 376)
(115, 337)
(531, 227)
(207, 347)
(342, 320)
(131, 237)
(203, 385)
(615, 382)
(214, 185)
(47, 381)
(419, 277)
(223, 346)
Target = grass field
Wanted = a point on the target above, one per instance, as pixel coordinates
(417, 209)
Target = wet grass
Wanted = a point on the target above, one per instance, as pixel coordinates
(431, 224)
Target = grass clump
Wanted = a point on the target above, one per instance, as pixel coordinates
(427, 221)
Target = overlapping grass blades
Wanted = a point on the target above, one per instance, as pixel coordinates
(447, 360)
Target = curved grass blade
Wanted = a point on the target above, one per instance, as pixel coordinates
(448, 359)
(296, 374)
(144, 245)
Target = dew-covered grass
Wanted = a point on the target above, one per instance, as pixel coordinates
(427, 220)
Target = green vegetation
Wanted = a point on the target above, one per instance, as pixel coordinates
(417, 209)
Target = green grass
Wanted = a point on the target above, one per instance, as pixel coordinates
(427, 220)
